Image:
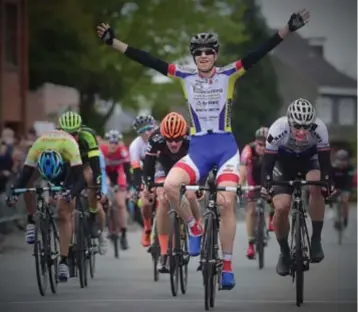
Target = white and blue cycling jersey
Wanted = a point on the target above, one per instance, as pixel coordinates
(104, 186)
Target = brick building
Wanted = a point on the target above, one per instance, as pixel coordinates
(13, 64)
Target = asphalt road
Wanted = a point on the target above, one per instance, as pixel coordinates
(127, 283)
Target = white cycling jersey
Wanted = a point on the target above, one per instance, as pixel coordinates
(137, 151)
(280, 138)
(209, 99)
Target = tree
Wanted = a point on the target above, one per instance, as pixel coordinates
(256, 99)
(64, 48)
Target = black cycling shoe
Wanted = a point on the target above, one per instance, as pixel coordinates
(284, 264)
(124, 243)
(317, 254)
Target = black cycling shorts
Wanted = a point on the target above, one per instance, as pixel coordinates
(289, 168)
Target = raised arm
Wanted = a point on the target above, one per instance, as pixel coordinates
(106, 33)
(296, 21)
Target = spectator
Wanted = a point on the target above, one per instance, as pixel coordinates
(6, 165)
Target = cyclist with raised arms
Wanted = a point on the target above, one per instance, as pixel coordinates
(167, 145)
(209, 92)
(144, 126)
(57, 157)
(71, 122)
(297, 144)
(117, 164)
(251, 171)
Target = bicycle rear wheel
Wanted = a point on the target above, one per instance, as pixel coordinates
(209, 264)
(184, 258)
(299, 261)
(173, 245)
(41, 254)
(260, 237)
(53, 261)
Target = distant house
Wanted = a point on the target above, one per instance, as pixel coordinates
(303, 71)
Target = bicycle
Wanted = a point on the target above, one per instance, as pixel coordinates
(84, 247)
(178, 253)
(261, 231)
(46, 244)
(338, 222)
(112, 223)
(300, 241)
(210, 263)
(154, 248)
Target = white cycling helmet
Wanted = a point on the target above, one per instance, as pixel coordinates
(113, 136)
(301, 112)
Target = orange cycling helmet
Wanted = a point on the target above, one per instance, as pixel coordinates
(173, 126)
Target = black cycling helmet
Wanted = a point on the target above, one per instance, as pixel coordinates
(341, 155)
(204, 40)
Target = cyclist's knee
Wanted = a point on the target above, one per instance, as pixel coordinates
(315, 191)
(191, 195)
(251, 208)
(282, 204)
(174, 180)
(64, 212)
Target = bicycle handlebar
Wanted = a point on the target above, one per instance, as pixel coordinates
(298, 183)
(17, 191)
(234, 189)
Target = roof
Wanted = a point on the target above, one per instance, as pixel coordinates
(296, 52)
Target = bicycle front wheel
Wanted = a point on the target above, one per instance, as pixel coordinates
(184, 258)
(53, 261)
(209, 263)
(299, 261)
(81, 260)
(260, 240)
(173, 246)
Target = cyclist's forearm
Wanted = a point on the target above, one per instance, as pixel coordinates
(96, 170)
(24, 177)
(242, 174)
(324, 158)
(75, 181)
(147, 60)
(127, 171)
(149, 167)
(137, 177)
(268, 164)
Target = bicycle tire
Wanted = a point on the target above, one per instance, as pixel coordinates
(155, 252)
(114, 237)
(299, 271)
(184, 258)
(207, 266)
(81, 251)
(340, 222)
(174, 241)
(53, 263)
(40, 254)
(91, 255)
(260, 244)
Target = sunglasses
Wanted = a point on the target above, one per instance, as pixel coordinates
(145, 129)
(299, 127)
(206, 52)
(260, 144)
(114, 142)
(174, 140)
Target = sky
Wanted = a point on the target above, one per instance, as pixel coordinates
(334, 19)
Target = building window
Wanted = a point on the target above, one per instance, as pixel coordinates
(346, 111)
(324, 107)
(11, 33)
